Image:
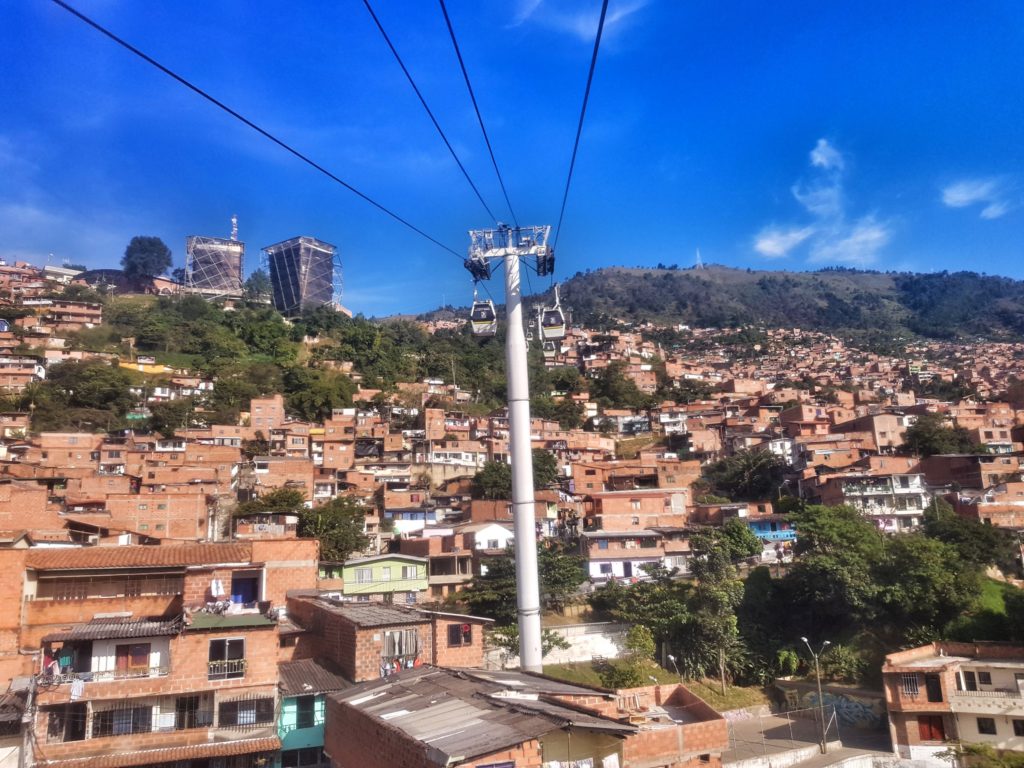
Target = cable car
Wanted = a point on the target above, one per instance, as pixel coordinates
(552, 321)
(549, 349)
(482, 318)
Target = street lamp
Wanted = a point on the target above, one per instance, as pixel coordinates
(675, 666)
(817, 677)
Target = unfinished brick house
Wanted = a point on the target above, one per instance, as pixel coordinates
(146, 655)
(470, 719)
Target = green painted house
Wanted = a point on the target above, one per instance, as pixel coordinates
(304, 687)
(393, 578)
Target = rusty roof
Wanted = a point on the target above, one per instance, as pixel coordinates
(138, 556)
(168, 754)
(309, 676)
(110, 629)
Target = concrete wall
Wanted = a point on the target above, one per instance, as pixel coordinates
(585, 640)
(855, 707)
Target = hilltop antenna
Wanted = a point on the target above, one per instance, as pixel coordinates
(699, 263)
(234, 227)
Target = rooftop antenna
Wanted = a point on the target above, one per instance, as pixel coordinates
(234, 227)
(699, 263)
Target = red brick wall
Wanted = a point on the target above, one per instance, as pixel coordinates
(353, 739)
(471, 655)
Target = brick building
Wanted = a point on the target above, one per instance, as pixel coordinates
(943, 692)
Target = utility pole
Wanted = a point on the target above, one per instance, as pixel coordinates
(513, 244)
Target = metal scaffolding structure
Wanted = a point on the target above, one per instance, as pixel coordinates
(305, 273)
(213, 266)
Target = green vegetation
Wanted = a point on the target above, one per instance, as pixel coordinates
(493, 594)
(871, 307)
(337, 525)
(494, 480)
(747, 475)
(145, 257)
(929, 436)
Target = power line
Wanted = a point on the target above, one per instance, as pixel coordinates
(583, 113)
(479, 117)
(429, 112)
(266, 134)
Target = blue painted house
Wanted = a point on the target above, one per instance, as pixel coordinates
(304, 687)
(772, 528)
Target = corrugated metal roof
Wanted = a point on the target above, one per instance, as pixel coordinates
(373, 614)
(461, 717)
(168, 755)
(170, 555)
(299, 678)
(109, 629)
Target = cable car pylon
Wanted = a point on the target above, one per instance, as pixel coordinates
(513, 244)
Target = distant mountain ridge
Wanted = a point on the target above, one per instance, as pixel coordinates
(937, 305)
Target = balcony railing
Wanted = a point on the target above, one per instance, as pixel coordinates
(999, 693)
(223, 670)
(62, 678)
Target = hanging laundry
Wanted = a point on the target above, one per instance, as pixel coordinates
(77, 689)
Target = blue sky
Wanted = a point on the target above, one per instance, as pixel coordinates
(782, 135)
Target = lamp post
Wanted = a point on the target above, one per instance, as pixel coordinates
(675, 666)
(821, 700)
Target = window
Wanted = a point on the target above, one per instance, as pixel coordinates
(227, 659)
(987, 726)
(132, 660)
(410, 571)
(636, 520)
(364, 575)
(303, 758)
(931, 728)
(602, 543)
(970, 681)
(245, 712)
(634, 504)
(385, 573)
(985, 678)
(119, 722)
(401, 642)
(1018, 727)
(460, 634)
(934, 687)
(910, 684)
(606, 568)
(305, 711)
(493, 544)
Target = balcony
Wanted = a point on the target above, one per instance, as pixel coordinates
(1009, 703)
(226, 669)
(66, 678)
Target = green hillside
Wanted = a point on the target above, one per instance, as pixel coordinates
(940, 305)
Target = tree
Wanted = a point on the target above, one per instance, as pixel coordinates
(279, 501)
(494, 480)
(974, 541)
(339, 525)
(929, 436)
(169, 416)
(507, 638)
(747, 476)
(258, 287)
(145, 256)
(493, 594)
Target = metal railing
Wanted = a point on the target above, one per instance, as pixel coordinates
(996, 693)
(61, 678)
(223, 670)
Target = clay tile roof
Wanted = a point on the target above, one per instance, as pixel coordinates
(179, 555)
(168, 755)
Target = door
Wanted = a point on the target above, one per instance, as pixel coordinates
(934, 687)
(627, 569)
(931, 728)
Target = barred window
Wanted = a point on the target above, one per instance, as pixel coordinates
(243, 712)
(910, 684)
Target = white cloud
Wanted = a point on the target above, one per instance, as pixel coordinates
(824, 155)
(566, 16)
(990, 192)
(773, 242)
(857, 244)
(830, 236)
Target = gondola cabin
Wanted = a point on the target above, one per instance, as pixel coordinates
(482, 318)
(552, 324)
(549, 349)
